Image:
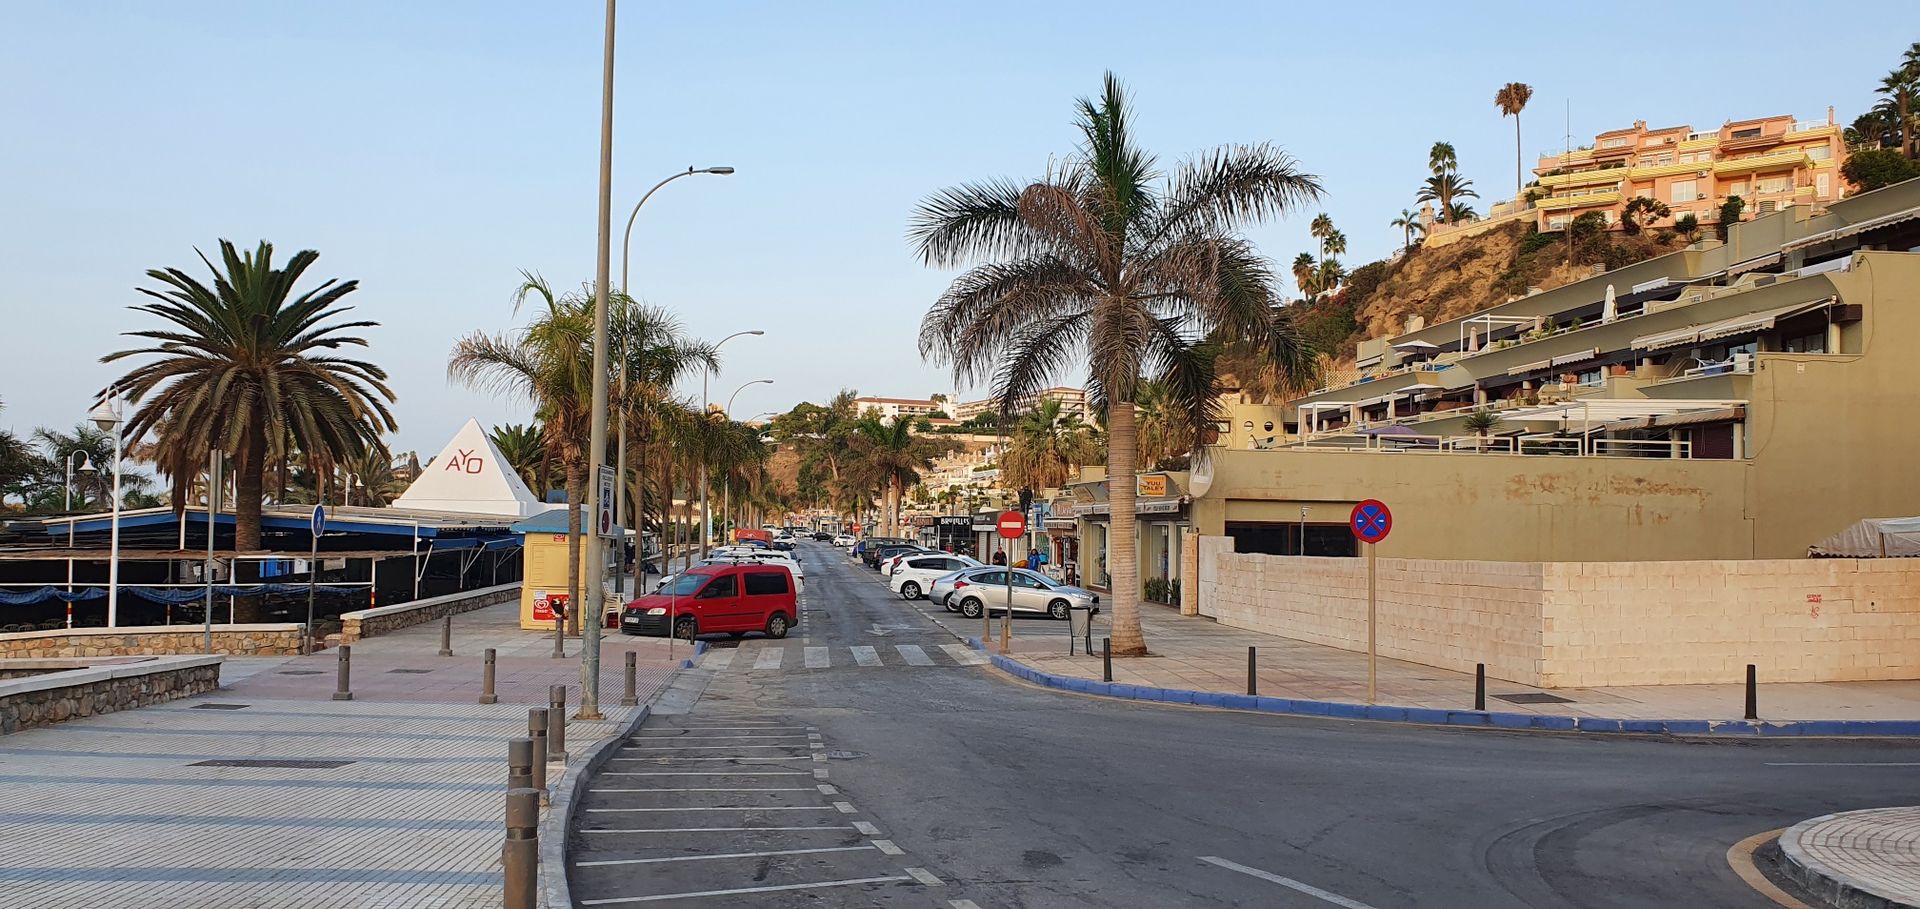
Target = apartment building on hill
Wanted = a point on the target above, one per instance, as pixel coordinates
(1072, 401)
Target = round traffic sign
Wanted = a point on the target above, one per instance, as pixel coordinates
(318, 523)
(1012, 524)
(1371, 521)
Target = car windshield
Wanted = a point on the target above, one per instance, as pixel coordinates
(685, 585)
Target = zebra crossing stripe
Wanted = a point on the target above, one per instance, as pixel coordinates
(769, 658)
(865, 656)
(914, 655)
(718, 659)
(817, 658)
(964, 655)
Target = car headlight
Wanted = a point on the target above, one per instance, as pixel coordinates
(657, 610)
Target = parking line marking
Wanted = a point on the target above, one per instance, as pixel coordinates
(1844, 764)
(914, 655)
(699, 747)
(760, 728)
(756, 760)
(718, 659)
(723, 855)
(820, 773)
(719, 808)
(817, 658)
(963, 904)
(820, 756)
(816, 885)
(865, 656)
(1286, 882)
(923, 876)
(721, 789)
(703, 773)
(813, 736)
(769, 658)
(827, 789)
(710, 738)
(888, 848)
(845, 807)
(866, 828)
(713, 829)
(963, 655)
(816, 746)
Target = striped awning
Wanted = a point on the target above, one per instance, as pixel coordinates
(1671, 338)
(1759, 321)
(1576, 357)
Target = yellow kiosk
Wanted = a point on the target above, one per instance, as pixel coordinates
(544, 568)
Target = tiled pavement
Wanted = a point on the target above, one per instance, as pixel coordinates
(1874, 852)
(404, 813)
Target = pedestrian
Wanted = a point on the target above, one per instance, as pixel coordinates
(1000, 557)
(1038, 560)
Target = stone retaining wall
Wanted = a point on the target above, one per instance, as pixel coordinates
(55, 697)
(153, 640)
(366, 623)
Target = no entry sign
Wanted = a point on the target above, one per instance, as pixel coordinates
(1371, 521)
(1012, 524)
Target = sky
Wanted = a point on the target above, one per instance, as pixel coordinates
(435, 150)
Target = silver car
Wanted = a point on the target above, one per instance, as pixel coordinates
(975, 590)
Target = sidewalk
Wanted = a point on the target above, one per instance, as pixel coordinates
(268, 793)
(1196, 654)
(1858, 858)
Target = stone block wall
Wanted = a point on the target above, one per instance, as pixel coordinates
(234, 640)
(367, 623)
(56, 697)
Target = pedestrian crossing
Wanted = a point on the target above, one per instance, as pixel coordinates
(787, 657)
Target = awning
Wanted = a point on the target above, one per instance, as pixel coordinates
(1697, 417)
(1530, 367)
(1672, 338)
(1758, 321)
(1416, 345)
(1873, 538)
(1576, 357)
(1753, 263)
(1841, 233)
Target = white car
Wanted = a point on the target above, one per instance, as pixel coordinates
(748, 553)
(844, 540)
(914, 576)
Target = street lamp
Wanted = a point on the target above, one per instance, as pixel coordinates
(726, 490)
(346, 489)
(86, 466)
(106, 415)
(706, 513)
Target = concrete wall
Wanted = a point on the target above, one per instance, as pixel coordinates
(236, 640)
(383, 619)
(1589, 624)
(55, 697)
(1207, 591)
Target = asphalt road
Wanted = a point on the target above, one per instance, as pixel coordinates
(987, 790)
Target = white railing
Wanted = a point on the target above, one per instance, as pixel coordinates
(1736, 365)
(1801, 126)
(1544, 444)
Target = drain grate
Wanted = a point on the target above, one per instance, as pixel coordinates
(409, 671)
(284, 764)
(1534, 697)
(302, 672)
(220, 706)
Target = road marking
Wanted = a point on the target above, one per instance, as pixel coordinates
(1740, 857)
(719, 808)
(865, 656)
(887, 847)
(718, 659)
(845, 807)
(851, 882)
(963, 904)
(713, 829)
(701, 747)
(1844, 764)
(747, 760)
(763, 728)
(866, 828)
(721, 789)
(1287, 882)
(817, 658)
(813, 736)
(725, 855)
(769, 658)
(820, 756)
(703, 773)
(710, 738)
(923, 876)
(816, 746)
(964, 655)
(828, 789)
(914, 655)
(820, 773)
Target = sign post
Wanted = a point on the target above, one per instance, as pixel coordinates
(1370, 522)
(1012, 526)
(318, 525)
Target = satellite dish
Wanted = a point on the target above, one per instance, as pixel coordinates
(1201, 478)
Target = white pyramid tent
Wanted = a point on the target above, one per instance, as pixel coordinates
(471, 475)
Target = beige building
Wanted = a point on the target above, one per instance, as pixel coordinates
(1072, 400)
(891, 409)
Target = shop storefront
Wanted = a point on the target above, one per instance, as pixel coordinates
(952, 532)
(1161, 513)
(1063, 540)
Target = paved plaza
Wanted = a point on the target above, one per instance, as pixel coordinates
(268, 793)
(1857, 857)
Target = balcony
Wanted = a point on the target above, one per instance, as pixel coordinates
(1749, 143)
(1668, 170)
(1776, 161)
(1585, 177)
(1583, 200)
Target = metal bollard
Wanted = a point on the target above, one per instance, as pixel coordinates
(557, 723)
(1106, 659)
(1253, 677)
(446, 636)
(537, 731)
(1479, 686)
(520, 763)
(631, 697)
(486, 680)
(520, 853)
(1753, 694)
(343, 686)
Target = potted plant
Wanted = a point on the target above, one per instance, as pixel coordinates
(1481, 423)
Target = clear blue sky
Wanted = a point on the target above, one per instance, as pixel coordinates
(432, 150)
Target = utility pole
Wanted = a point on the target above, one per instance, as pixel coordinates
(595, 609)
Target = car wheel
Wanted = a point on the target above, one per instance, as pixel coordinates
(970, 608)
(910, 591)
(777, 626)
(1057, 609)
(686, 629)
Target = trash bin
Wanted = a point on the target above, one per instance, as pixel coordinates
(1080, 627)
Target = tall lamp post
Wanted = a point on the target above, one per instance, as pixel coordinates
(592, 612)
(86, 466)
(620, 446)
(706, 513)
(106, 415)
(726, 497)
(347, 486)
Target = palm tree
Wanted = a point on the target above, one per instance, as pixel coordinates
(1304, 269)
(1901, 87)
(1165, 433)
(1329, 274)
(1320, 227)
(1512, 98)
(245, 364)
(1408, 222)
(889, 457)
(1107, 262)
(1333, 244)
(1046, 445)
(656, 353)
(1441, 158)
(525, 453)
(1461, 213)
(1444, 189)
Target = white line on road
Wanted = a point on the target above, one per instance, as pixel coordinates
(866, 828)
(914, 655)
(887, 847)
(724, 855)
(851, 882)
(701, 747)
(714, 829)
(703, 773)
(817, 658)
(820, 773)
(769, 658)
(643, 734)
(845, 807)
(964, 655)
(865, 656)
(1844, 764)
(710, 738)
(721, 789)
(744, 760)
(828, 789)
(720, 808)
(718, 659)
(923, 876)
(1287, 882)
(962, 904)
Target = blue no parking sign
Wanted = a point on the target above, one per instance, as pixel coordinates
(1371, 521)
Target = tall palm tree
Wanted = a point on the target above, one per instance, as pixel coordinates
(1045, 446)
(656, 353)
(1901, 87)
(1408, 222)
(1165, 433)
(1107, 262)
(1444, 189)
(245, 364)
(1303, 274)
(1445, 183)
(890, 457)
(1320, 227)
(1333, 244)
(1512, 98)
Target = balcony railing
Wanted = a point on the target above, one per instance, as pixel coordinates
(1534, 445)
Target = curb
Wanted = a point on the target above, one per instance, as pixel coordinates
(699, 647)
(1832, 886)
(1436, 716)
(558, 819)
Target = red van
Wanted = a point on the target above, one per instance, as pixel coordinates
(738, 598)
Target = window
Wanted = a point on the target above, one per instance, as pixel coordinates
(1819, 152)
(1592, 376)
(1737, 189)
(1751, 132)
(989, 577)
(719, 588)
(1021, 579)
(927, 563)
(1813, 343)
(1822, 184)
(1681, 191)
(1619, 141)
(766, 583)
(1776, 184)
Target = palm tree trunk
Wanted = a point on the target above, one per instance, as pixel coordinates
(1122, 558)
(1516, 156)
(576, 493)
(246, 513)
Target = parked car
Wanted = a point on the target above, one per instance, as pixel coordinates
(733, 598)
(1034, 594)
(915, 575)
(877, 557)
(731, 556)
(821, 536)
(890, 564)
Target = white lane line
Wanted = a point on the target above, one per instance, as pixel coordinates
(828, 789)
(816, 746)
(724, 855)
(701, 747)
(715, 738)
(817, 658)
(844, 807)
(813, 736)
(887, 847)
(744, 760)
(962, 904)
(820, 773)
(718, 808)
(866, 828)
(914, 655)
(820, 756)
(719, 789)
(643, 732)
(816, 885)
(865, 656)
(1844, 764)
(1286, 882)
(923, 876)
(703, 773)
(711, 829)
(964, 655)
(718, 659)
(769, 658)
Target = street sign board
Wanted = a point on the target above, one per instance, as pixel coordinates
(1012, 524)
(1371, 521)
(319, 522)
(603, 504)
